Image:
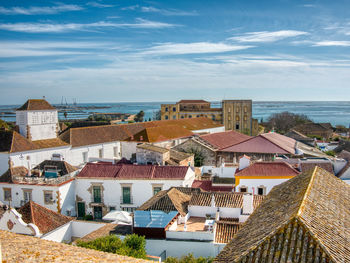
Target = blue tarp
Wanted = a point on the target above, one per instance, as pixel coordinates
(153, 218)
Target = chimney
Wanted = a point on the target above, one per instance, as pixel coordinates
(244, 162)
(247, 208)
(213, 200)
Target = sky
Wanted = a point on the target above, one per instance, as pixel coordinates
(129, 51)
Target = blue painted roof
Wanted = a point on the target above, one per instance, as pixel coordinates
(153, 218)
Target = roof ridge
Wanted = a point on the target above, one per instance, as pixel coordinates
(12, 140)
(308, 189)
(275, 143)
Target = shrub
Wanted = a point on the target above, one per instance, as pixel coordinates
(132, 246)
(189, 259)
(330, 153)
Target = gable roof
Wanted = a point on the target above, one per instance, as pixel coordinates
(225, 139)
(313, 207)
(231, 200)
(168, 200)
(311, 127)
(272, 143)
(94, 135)
(22, 248)
(225, 231)
(161, 133)
(36, 104)
(45, 219)
(126, 171)
(268, 169)
(11, 141)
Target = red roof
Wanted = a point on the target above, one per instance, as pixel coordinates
(225, 139)
(130, 171)
(265, 143)
(206, 185)
(45, 219)
(36, 104)
(268, 169)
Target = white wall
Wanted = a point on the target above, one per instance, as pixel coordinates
(227, 172)
(186, 235)
(201, 211)
(255, 183)
(155, 247)
(4, 159)
(18, 225)
(127, 149)
(67, 196)
(141, 190)
(78, 229)
(211, 130)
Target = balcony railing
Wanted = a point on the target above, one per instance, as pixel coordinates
(126, 200)
(42, 180)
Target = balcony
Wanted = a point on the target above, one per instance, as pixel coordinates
(42, 180)
(126, 200)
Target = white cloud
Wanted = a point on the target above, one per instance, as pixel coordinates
(132, 7)
(39, 10)
(267, 36)
(59, 28)
(168, 12)
(98, 5)
(192, 48)
(332, 43)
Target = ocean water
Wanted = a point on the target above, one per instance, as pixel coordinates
(335, 112)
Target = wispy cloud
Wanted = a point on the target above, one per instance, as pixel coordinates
(332, 43)
(192, 48)
(60, 28)
(39, 10)
(98, 5)
(168, 12)
(267, 36)
(132, 7)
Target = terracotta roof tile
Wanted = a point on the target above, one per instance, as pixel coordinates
(272, 143)
(313, 207)
(168, 200)
(152, 148)
(207, 185)
(225, 139)
(35, 104)
(21, 248)
(225, 231)
(15, 171)
(11, 141)
(45, 219)
(50, 143)
(268, 169)
(125, 171)
(231, 200)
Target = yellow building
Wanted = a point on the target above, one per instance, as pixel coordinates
(234, 114)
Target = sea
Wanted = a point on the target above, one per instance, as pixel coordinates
(335, 112)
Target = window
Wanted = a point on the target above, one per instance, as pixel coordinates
(213, 117)
(245, 117)
(190, 116)
(237, 118)
(174, 117)
(261, 190)
(81, 209)
(243, 189)
(126, 195)
(7, 194)
(48, 198)
(229, 117)
(115, 152)
(97, 194)
(85, 157)
(174, 109)
(229, 109)
(166, 117)
(100, 153)
(27, 195)
(198, 116)
(182, 117)
(237, 126)
(97, 212)
(156, 189)
(245, 108)
(166, 108)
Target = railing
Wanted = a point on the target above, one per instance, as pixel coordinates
(42, 180)
(126, 201)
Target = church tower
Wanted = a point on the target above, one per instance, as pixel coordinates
(37, 120)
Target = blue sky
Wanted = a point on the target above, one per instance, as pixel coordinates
(113, 51)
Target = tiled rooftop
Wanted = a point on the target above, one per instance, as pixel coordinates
(36, 104)
(21, 248)
(268, 169)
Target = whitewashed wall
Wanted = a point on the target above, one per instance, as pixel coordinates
(4, 159)
(227, 172)
(211, 130)
(19, 226)
(127, 149)
(255, 183)
(141, 190)
(67, 198)
(155, 247)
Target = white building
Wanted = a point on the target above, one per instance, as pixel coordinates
(52, 186)
(38, 139)
(103, 187)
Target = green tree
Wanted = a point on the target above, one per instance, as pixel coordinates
(139, 116)
(157, 115)
(132, 246)
(198, 157)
